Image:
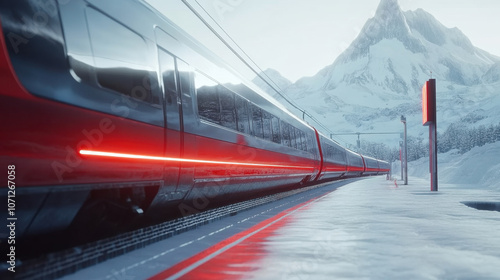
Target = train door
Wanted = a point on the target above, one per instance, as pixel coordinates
(173, 124)
(175, 80)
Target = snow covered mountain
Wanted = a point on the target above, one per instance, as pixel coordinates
(380, 75)
(397, 50)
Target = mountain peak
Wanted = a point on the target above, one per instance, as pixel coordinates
(389, 22)
(395, 51)
(390, 17)
(388, 6)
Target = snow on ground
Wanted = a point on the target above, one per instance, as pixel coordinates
(372, 229)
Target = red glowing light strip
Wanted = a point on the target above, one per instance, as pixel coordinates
(131, 156)
(425, 104)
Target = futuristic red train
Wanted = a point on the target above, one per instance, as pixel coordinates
(114, 113)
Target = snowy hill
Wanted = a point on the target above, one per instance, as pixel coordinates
(476, 169)
(379, 76)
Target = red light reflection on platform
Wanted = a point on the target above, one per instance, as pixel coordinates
(235, 257)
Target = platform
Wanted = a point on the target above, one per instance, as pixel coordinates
(368, 229)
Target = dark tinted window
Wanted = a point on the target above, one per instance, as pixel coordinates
(187, 87)
(167, 65)
(257, 121)
(355, 160)
(293, 138)
(172, 100)
(310, 143)
(266, 123)
(335, 153)
(285, 134)
(208, 99)
(303, 140)
(121, 57)
(298, 139)
(328, 151)
(242, 114)
(275, 124)
(228, 114)
(340, 154)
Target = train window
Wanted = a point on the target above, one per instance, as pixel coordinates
(336, 153)
(275, 124)
(293, 138)
(257, 121)
(228, 115)
(356, 160)
(187, 88)
(167, 64)
(328, 151)
(208, 99)
(304, 140)
(266, 123)
(310, 143)
(298, 139)
(172, 100)
(340, 154)
(285, 134)
(120, 57)
(242, 114)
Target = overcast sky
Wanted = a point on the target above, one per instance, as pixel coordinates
(300, 37)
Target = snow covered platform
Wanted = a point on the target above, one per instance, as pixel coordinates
(372, 229)
(368, 229)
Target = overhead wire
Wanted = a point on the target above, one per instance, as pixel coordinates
(270, 82)
(262, 72)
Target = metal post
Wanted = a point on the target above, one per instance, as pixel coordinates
(429, 118)
(401, 158)
(389, 176)
(433, 156)
(403, 120)
(406, 157)
(359, 142)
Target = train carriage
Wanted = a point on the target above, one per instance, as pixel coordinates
(133, 115)
(112, 115)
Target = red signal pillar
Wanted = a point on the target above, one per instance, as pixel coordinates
(429, 119)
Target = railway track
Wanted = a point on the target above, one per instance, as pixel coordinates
(58, 264)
